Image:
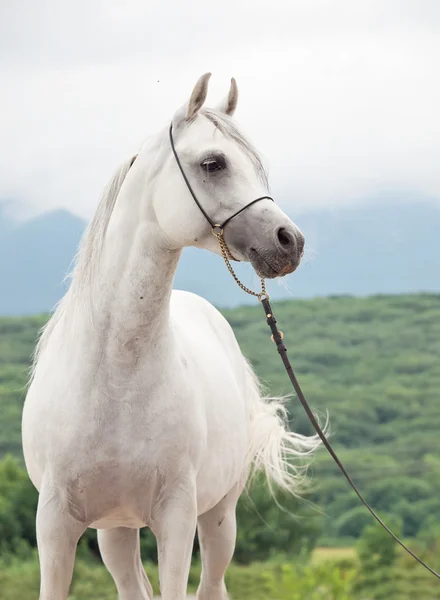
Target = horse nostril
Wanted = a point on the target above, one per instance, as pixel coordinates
(284, 237)
(291, 241)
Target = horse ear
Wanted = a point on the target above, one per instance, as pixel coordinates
(198, 96)
(229, 104)
(190, 109)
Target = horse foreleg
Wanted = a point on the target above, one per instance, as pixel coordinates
(58, 533)
(120, 551)
(217, 534)
(174, 525)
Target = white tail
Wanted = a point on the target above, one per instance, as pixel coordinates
(282, 454)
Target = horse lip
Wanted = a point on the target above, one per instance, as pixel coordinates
(274, 271)
(288, 269)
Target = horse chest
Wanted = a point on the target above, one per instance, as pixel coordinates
(142, 428)
(122, 460)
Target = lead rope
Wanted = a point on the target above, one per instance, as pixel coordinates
(277, 337)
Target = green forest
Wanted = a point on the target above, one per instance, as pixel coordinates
(372, 364)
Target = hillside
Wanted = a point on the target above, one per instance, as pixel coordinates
(373, 363)
(35, 257)
(384, 246)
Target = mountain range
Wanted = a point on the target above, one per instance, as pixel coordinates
(385, 245)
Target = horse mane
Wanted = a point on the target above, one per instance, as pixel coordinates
(87, 258)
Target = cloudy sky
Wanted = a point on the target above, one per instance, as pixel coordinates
(342, 97)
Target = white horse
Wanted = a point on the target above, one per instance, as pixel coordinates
(142, 411)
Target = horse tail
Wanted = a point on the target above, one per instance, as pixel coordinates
(280, 453)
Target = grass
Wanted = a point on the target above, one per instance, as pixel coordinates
(324, 554)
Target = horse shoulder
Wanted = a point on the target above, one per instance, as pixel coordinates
(189, 308)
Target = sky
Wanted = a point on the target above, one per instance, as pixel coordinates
(341, 97)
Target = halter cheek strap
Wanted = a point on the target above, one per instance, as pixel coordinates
(188, 185)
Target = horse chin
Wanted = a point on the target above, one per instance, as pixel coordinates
(262, 266)
(269, 267)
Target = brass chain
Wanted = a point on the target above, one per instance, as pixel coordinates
(227, 257)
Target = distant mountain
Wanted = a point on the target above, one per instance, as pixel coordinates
(34, 258)
(382, 247)
(6, 222)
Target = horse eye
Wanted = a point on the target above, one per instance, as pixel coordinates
(213, 164)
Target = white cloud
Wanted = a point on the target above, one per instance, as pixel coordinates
(341, 97)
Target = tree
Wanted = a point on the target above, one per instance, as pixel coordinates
(18, 502)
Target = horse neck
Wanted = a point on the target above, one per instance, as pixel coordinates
(131, 287)
(139, 301)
